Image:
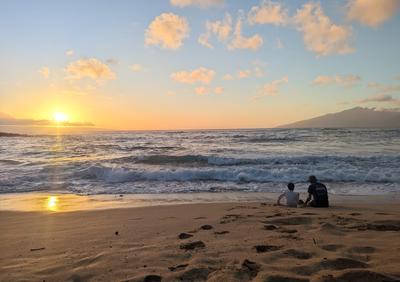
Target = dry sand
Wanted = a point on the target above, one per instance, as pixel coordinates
(204, 242)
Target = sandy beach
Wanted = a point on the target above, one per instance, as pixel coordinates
(244, 241)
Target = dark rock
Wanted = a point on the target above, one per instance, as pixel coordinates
(193, 245)
(221, 232)
(178, 267)
(116, 233)
(195, 274)
(206, 227)
(184, 236)
(270, 227)
(266, 248)
(152, 278)
(251, 267)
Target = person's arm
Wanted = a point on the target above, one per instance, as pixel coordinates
(279, 199)
(309, 195)
(308, 199)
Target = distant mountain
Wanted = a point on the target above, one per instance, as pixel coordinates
(353, 118)
(7, 134)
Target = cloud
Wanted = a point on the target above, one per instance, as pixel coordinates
(228, 77)
(343, 80)
(383, 88)
(167, 30)
(218, 90)
(319, 33)
(241, 42)
(201, 90)
(41, 122)
(69, 53)
(371, 12)
(381, 98)
(221, 29)
(200, 75)
(136, 68)
(244, 73)
(268, 12)
(45, 72)
(231, 37)
(271, 89)
(91, 68)
(198, 3)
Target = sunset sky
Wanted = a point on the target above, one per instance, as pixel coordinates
(183, 64)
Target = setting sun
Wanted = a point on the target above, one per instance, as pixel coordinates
(60, 117)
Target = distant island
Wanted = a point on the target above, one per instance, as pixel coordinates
(7, 134)
(357, 117)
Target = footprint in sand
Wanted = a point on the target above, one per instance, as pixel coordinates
(152, 278)
(329, 264)
(184, 236)
(362, 250)
(331, 247)
(178, 267)
(358, 276)
(193, 245)
(196, 274)
(280, 278)
(296, 220)
(266, 248)
(297, 254)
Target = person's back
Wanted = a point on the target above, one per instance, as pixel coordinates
(319, 194)
(292, 198)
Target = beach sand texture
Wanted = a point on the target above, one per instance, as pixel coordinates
(203, 242)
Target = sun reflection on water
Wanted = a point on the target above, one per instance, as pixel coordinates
(52, 203)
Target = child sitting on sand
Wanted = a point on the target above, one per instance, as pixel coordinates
(292, 198)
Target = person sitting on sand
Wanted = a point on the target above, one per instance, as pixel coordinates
(292, 198)
(318, 192)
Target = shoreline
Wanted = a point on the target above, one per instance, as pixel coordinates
(67, 202)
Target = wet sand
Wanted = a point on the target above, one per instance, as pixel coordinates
(354, 240)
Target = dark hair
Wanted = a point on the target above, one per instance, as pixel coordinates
(290, 186)
(312, 179)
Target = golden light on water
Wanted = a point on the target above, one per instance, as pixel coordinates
(52, 203)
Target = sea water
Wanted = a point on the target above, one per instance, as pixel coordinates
(348, 161)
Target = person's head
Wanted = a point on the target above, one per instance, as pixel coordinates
(290, 186)
(312, 179)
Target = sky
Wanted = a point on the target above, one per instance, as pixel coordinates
(191, 64)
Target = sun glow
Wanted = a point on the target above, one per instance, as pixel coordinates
(52, 203)
(60, 117)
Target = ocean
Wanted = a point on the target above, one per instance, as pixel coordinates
(349, 161)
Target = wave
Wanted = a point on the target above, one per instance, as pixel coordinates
(333, 173)
(273, 160)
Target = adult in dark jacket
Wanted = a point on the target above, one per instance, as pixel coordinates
(317, 194)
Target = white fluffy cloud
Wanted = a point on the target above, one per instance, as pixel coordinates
(268, 12)
(92, 68)
(231, 37)
(372, 12)
(221, 29)
(241, 42)
(45, 72)
(198, 3)
(319, 33)
(344, 80)
(200, 75)
(167, 30)
(271, 89)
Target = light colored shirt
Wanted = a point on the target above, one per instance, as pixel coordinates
(292, 198)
